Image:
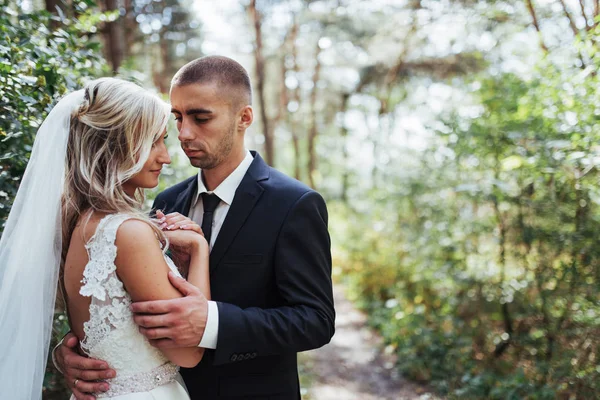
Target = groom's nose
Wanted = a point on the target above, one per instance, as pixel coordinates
(185, 132)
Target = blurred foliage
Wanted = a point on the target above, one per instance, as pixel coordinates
(54, 384)
(481, 266)
(43, 57)
(462, 182)
(37, 67)
(159, 38)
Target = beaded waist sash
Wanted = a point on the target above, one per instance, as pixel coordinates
(142, 382)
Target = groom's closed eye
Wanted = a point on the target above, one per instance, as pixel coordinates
(198, 120)
(193, 112)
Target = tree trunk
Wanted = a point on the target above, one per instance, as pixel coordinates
(51, 8)
(312, 134)
(584, 15)
(292, 117)
(345, 156)
(284, 100)
(163, 77)
(570, 18)
(114, 35)
(130, 28)
(259, 67)
(536, 24)
(506, 316)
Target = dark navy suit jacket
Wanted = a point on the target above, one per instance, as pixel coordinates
(270, 274)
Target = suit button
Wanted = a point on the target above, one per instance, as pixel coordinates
(234, 358)
(253, 355)
(246, 356)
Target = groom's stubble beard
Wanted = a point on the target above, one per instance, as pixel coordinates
(212, 160)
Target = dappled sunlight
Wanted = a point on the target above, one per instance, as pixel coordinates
(457, 144)
(354, 365)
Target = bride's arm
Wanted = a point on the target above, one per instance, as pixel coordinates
(198, 271)
(144, 272)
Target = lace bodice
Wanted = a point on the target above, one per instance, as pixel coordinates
(110, 333)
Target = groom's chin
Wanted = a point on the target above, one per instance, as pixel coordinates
(199, 163)
(206, 161)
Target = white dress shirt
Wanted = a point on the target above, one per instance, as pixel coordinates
(226, 192)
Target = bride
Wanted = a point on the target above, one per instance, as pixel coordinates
(77, 223)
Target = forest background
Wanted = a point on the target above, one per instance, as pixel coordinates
(456, 142)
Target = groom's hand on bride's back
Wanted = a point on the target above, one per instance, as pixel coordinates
(173, 323)
(81, 373)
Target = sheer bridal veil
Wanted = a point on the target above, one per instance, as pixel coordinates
(30, 252)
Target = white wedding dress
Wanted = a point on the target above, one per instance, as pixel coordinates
(143, 372)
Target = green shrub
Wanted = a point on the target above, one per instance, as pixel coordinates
(482, 268)
(38, 65)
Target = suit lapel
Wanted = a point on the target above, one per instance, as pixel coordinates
(184, 199)
(246, 197)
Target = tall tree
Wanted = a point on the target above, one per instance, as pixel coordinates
(314, 129)
(114, 35)
(260, 70)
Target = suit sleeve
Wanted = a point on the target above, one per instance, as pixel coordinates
(302, 263)
(159, 203)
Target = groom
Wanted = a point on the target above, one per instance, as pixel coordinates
(270, 258)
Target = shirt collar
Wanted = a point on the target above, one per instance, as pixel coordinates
(226, 190)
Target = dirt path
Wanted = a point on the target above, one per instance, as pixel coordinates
(353, 366)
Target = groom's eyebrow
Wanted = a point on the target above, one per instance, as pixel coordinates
(193, 111)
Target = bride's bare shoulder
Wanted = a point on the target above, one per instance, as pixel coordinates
(135, 233)
(87, 224)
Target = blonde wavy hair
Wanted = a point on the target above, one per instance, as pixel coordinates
(110, 139)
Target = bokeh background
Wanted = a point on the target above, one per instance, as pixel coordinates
(456, 142)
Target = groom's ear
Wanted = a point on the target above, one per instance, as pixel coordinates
(246, 117)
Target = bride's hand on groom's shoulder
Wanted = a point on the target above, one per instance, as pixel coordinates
(185, 236)
(174, 222)
(83, 375)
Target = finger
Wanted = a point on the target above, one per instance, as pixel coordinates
(171, 226)
(179, 224)
(163, 343)
(150, 321)
(159, 215)
(75, 361)
(91, 387)
(90, 375)
(151, 307)
(175, 217)
(82, 396)
(172, 222)
(158, 333)
(192, 227)
(182, 285)
(70, 340)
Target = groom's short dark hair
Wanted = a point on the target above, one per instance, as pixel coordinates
(224, 71)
